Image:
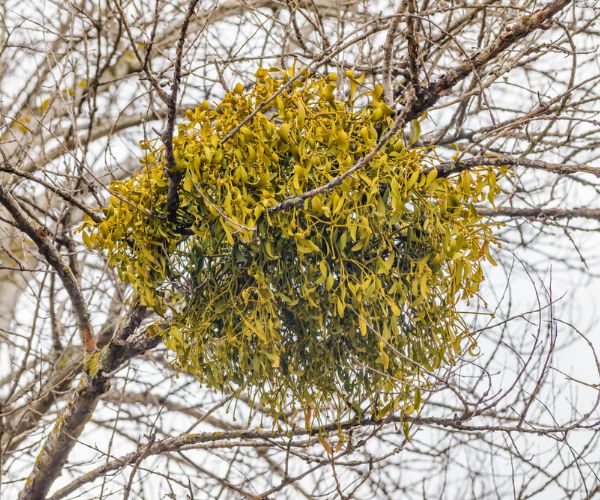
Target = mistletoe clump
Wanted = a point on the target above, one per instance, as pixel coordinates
(345, 301)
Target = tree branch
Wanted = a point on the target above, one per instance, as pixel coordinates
(542, 213)
(510, 35)
(452, 167)
(418, 100)
(81, 406)
(39, 235)
(167, 138)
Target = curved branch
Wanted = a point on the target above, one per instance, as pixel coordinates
(510, 35)
(425, 98)
(39, 235)
(189, 441)
(81, 406)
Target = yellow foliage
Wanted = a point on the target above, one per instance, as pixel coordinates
(345, 302)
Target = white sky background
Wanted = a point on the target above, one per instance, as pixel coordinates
(553, 260)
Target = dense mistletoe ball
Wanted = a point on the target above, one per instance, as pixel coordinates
(344, 303)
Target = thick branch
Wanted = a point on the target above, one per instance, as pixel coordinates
(80, 408)
(510, 35)
(19, 423)
(39, 236)
(426, 98)
(542, 213)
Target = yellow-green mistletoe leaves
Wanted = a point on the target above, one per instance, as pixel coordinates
(342, 304)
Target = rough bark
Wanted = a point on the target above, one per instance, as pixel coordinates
(79, 409)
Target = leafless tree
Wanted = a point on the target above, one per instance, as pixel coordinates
(512, 84)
